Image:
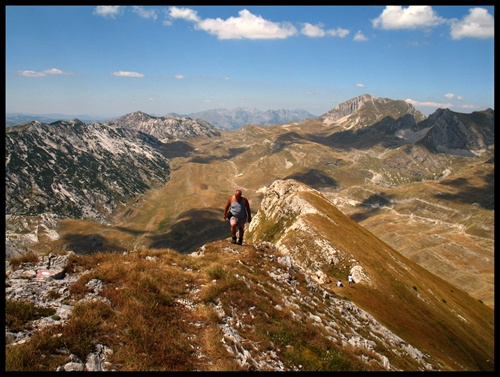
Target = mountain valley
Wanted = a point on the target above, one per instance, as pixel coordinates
(418, 192)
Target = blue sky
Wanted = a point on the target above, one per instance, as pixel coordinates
(111, 61)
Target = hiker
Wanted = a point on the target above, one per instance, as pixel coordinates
(339, 284)
(238, 211)
(349, 278)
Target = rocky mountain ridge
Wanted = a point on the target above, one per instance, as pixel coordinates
(297, 273)
(228, 119)
(74, 169)
(367, 109)
(444, 132)
(169, 128)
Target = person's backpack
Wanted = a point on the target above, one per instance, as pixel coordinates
(229, 214)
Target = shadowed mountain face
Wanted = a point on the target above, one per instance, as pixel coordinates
(381, 181)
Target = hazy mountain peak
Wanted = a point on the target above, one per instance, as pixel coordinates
(166, 128)
(236, 118)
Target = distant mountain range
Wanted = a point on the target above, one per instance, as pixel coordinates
(236, 118)
(221, 118)
(102, 156)
(13, 119)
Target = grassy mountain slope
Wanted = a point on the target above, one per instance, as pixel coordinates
(230, 308)
(398, 194)
(399, 293)
(419, 231)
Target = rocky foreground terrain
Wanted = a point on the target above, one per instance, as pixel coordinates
(292, 279)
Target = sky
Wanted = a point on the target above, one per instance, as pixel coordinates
(109, 61)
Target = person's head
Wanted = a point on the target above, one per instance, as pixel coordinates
(237, 194)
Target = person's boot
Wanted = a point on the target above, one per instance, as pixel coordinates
(233, 240)
(240, 241)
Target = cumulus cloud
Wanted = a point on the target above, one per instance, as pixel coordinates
(250, 26)
(108, 10)
(126, 74)
(359, 37)
(145, 13)
(451, 96)
(51, 71)
(184, 14)
(245, 26)
(179, 77)
(359, 85)
(477, 24)
(313, 30)
(339, 32)
(412, 17)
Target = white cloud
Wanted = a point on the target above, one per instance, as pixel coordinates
(184, 14)
(245, 26)
(453, 96)
(51, 71)
(126, 74)
(55, 71)
(477, 24)
(145, 13)
(108, 10)
(179, 77)
(31, 73)
(412, 17)
(429, 104)
(359, 37)
(339, 32)
(250, 26)
(313, 30)
(359, 85)
(469, 107)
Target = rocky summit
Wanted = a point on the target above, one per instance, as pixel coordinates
(165, 128)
